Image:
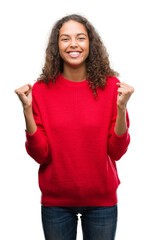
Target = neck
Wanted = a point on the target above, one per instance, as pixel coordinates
(75, 74)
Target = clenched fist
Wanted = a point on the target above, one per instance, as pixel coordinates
(25, 95)
(124, 93)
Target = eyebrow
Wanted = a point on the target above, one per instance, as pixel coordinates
(69, 35)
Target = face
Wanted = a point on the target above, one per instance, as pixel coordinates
(73, 43)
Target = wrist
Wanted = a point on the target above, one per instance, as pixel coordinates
(121, 108)
(27, 109)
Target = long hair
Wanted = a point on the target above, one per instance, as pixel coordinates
(97, 62)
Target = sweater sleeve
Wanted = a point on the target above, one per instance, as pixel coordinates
(117, 145)
(36, 144)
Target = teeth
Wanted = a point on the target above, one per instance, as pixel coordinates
(74, 53)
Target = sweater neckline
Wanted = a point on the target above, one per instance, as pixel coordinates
(69, 83)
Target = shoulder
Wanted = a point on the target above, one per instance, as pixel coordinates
(39, 88)
(110, 89)
(38, 85)
(112, 81)
(111, 84)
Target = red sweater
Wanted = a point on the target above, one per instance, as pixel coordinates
(75, 143)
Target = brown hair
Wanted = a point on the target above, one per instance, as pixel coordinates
(97, 62)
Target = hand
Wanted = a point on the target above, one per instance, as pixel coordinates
(124, 93)
(25, 95)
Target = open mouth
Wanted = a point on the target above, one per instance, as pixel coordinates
(74, 54)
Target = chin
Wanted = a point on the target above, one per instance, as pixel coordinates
(75, 64)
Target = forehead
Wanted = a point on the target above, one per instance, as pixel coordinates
(72, 28)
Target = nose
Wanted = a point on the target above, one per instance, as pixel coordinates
(73, 43)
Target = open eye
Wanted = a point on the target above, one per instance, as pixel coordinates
(64, 39)
(81, 38)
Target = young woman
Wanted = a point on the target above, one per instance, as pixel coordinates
(76, 128)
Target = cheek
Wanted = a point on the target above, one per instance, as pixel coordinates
(85, 47)
(61, 51)
(62, 47)
(88, 48)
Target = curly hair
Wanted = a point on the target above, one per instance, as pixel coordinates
(97, 62)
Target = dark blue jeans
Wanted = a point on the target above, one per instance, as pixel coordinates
(98, 223)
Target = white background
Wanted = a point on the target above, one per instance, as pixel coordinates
(25, 28)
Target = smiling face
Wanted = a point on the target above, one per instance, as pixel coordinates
(73, 44)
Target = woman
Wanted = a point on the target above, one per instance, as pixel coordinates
(76, 128)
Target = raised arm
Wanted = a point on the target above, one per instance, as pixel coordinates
(25, 95)
(119, 137)
(36, 140)
(124, 93)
